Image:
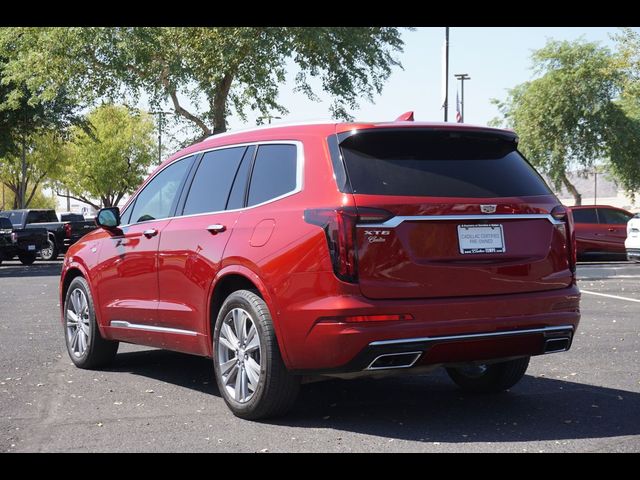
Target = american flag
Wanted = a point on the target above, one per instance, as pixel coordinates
(458, 114)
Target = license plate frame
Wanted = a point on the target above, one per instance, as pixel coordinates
(486, 238)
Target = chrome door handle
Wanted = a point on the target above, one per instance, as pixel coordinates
(216, 228)
(152, 232)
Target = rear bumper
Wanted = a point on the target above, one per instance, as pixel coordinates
(416, 352)
(442, 330)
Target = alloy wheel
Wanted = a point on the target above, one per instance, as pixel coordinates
(239, 355)
(78, 323)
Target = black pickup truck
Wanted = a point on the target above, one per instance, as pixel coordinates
(25, 243)
(61, 235)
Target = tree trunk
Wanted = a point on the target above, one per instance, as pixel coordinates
(22, 192)
(220, 104)
(577, 196)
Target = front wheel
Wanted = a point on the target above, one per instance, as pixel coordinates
(27, 258)
(491, 378)
(248, 367)
(85, 345)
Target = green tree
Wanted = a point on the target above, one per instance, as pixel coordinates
(571, 115)
(29, 122)
(233, 68)
(112, 161)
(39, 158)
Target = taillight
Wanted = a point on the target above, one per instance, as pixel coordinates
(67, 230)
(561, 214)
(339, 225)
(14, 237)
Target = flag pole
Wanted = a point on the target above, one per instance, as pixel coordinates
(446, 73)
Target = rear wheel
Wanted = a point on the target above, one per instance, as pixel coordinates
(492, 378)
(85, 345)
(50, 252)
(27, 258)
(249, 370)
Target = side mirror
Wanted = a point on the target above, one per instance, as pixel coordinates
(108, 218)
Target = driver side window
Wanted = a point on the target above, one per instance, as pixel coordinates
(157, 198)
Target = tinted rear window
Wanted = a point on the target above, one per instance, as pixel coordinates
(42, 216)
(585, 215)
(274, 173)
(438, 164)
(615, 217)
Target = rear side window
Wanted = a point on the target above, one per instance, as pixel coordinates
(585, 215)
(212, 182)
(608, 215)
(274, 173)
(438, 164)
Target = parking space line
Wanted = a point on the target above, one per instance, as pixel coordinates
(610, 296)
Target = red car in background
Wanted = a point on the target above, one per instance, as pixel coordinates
(600, 230)
(331, 249)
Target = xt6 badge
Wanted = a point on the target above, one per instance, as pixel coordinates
(377, 236)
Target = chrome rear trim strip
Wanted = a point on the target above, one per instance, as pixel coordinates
(474, 336)
(395, 221)
(150, 328)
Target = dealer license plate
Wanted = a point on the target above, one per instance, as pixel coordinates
(481, 238)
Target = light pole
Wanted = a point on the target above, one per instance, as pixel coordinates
(269, 118)
(462, 77)
(446, 73)
(160, 114)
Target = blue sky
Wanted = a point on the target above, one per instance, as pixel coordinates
(496, 58)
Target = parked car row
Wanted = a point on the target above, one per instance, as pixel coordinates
(602, 230)
(31, 232)
(632, 243)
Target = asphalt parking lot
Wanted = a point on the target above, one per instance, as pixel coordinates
(585, 400)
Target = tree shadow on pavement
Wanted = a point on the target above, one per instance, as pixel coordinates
(12, 268)
(427, 408)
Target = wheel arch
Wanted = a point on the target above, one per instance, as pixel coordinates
(231, 279)
(75, 270)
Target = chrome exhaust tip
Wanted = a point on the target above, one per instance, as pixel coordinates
(553, 345)
(394, 360)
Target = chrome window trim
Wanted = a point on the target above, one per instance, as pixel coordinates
(300, 162)
(150, 328)
(473, 336)
(395, 221)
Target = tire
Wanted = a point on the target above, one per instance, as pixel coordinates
(50, 252)
(27, 258)
(274, 391)
(493, 378)
(86, 347)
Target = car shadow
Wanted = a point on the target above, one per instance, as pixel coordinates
(13, 268)
(427, 408)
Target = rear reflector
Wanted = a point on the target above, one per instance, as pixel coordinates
(377, 318)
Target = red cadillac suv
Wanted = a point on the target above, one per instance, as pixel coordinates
(331, 249)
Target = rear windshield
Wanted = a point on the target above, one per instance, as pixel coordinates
(438, 164)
